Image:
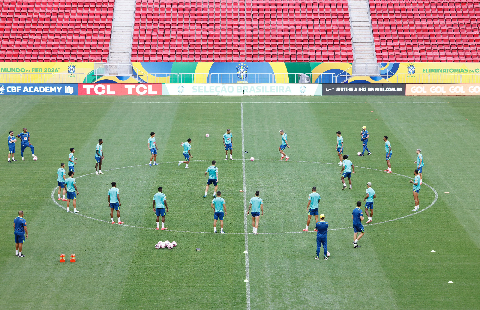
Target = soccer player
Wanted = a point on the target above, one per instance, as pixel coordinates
(227, 143)
(364, 134)
(416, 190)
(283, 145)
(312, 206)
(388, 151)
(21, 232)
(71, 160)
(340, 147)
(322, 228)
(347, 169)
(256, 205)
(25, 138)
(152, 146)
(114, 202)
(11, 146)
(357, 217)
(186, 152)
(212, 178)
(369, 201)
(420, 164)
(99, 157)
(71, 189)
(159, 205)
(218, 204)
(61, 181)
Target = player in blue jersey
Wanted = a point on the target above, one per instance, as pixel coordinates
(388, 154)
(227, 143)
(21, 232)
(283, 145)
(25, 138)
(186, 152)
(340, 147)
(114, 202)
(159, 206)
(99, 157)
(72, 192)
(218, 204)
(256, 205)
(312, 206)
(61, 181)
(152, 146)
(364, 138)
(416, 190)
(369, 202)
(11, 146)
(212, 172)
(322, 229)
(71, 160)
(357, 217)
(420, 164)
(347, 169)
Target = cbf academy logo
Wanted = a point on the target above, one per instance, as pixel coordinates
(411, 69)
(2, 89)
(242, 71)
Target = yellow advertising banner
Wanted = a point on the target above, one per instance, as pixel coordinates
(45, 72)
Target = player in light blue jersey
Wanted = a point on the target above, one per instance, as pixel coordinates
(283, 145)
(212, 172)
(322, 229)
(420, 164)
(186, 152)
(364, 138)
(11, 146)
(357, 217)
(114, 202)
(369, 201)
(72, 192)
(25, 138)
(152, 146)
(340, 147)
(256, 205)
(312, 206)
(159, 206)
(99, 157)
(416, 190)
(21, 232)
(388, 154)
(61, 181)
(71, 160)
(227, 143)
(347, 169)
(218, 204)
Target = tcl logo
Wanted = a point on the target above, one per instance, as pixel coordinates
(442, 89)
(120, 89)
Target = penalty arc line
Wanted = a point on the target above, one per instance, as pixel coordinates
(245, 220)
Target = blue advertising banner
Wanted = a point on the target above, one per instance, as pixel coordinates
(38, 89)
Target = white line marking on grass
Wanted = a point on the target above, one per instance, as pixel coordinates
(245, 220)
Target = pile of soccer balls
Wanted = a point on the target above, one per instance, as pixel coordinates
(165, 245)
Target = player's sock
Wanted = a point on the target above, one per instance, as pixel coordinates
(306, 227)
(63, 197)
(350, 186)
(75, 210)
(23, 158)
(158, 225)
(214, 229)
(221, 230)
(58, 196)
(206, 194)
(369, 218)
(231, 156)
(68, 209)
(163, 225)
(16, 252)
(150, 163)
(180, 162)
(119, 219)
(186, 166)
(112, 219)
(9, 159)
(19, 253)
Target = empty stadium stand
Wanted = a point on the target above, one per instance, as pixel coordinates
(426, 30)
(55, 30)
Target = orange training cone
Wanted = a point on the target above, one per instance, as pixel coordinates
(72, 258)
(62, 258)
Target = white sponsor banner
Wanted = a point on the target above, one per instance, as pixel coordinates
(243, 89)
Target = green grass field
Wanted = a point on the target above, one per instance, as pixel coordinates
(118, 267)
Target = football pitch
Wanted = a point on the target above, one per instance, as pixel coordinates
(118, 267)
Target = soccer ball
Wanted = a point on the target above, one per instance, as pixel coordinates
(35, 158)
(157, 246)
(170, 246)
(252, 159)
(162, 245)
(207, 135)
(359, 153)
(174, 244)
(328, 254)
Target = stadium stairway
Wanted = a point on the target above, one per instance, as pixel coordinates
(120, 52)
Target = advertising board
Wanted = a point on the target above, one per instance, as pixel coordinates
(38, 89)
(364, 89)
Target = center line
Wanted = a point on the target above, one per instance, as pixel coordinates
(245, 220)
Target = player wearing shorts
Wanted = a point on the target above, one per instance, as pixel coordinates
(72, 192)
(283, 145)
(357, 217)
(99, 157)
(340, 147)
(369, 201)
(186, 152)
(388, 154)
(227, 143)
(416, 190)
(71, 160)
(212, 178)
(347, 169)
(11, 146)
(21, 232)
(364, 138)
(159, 206)
(114, 202)
(61, 181)
(25, 138)
(322, 228)
(152, 146)
(420, 164)
(256, 205)
(218, 204)
(312, 206)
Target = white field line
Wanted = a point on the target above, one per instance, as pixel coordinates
(245, 220)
